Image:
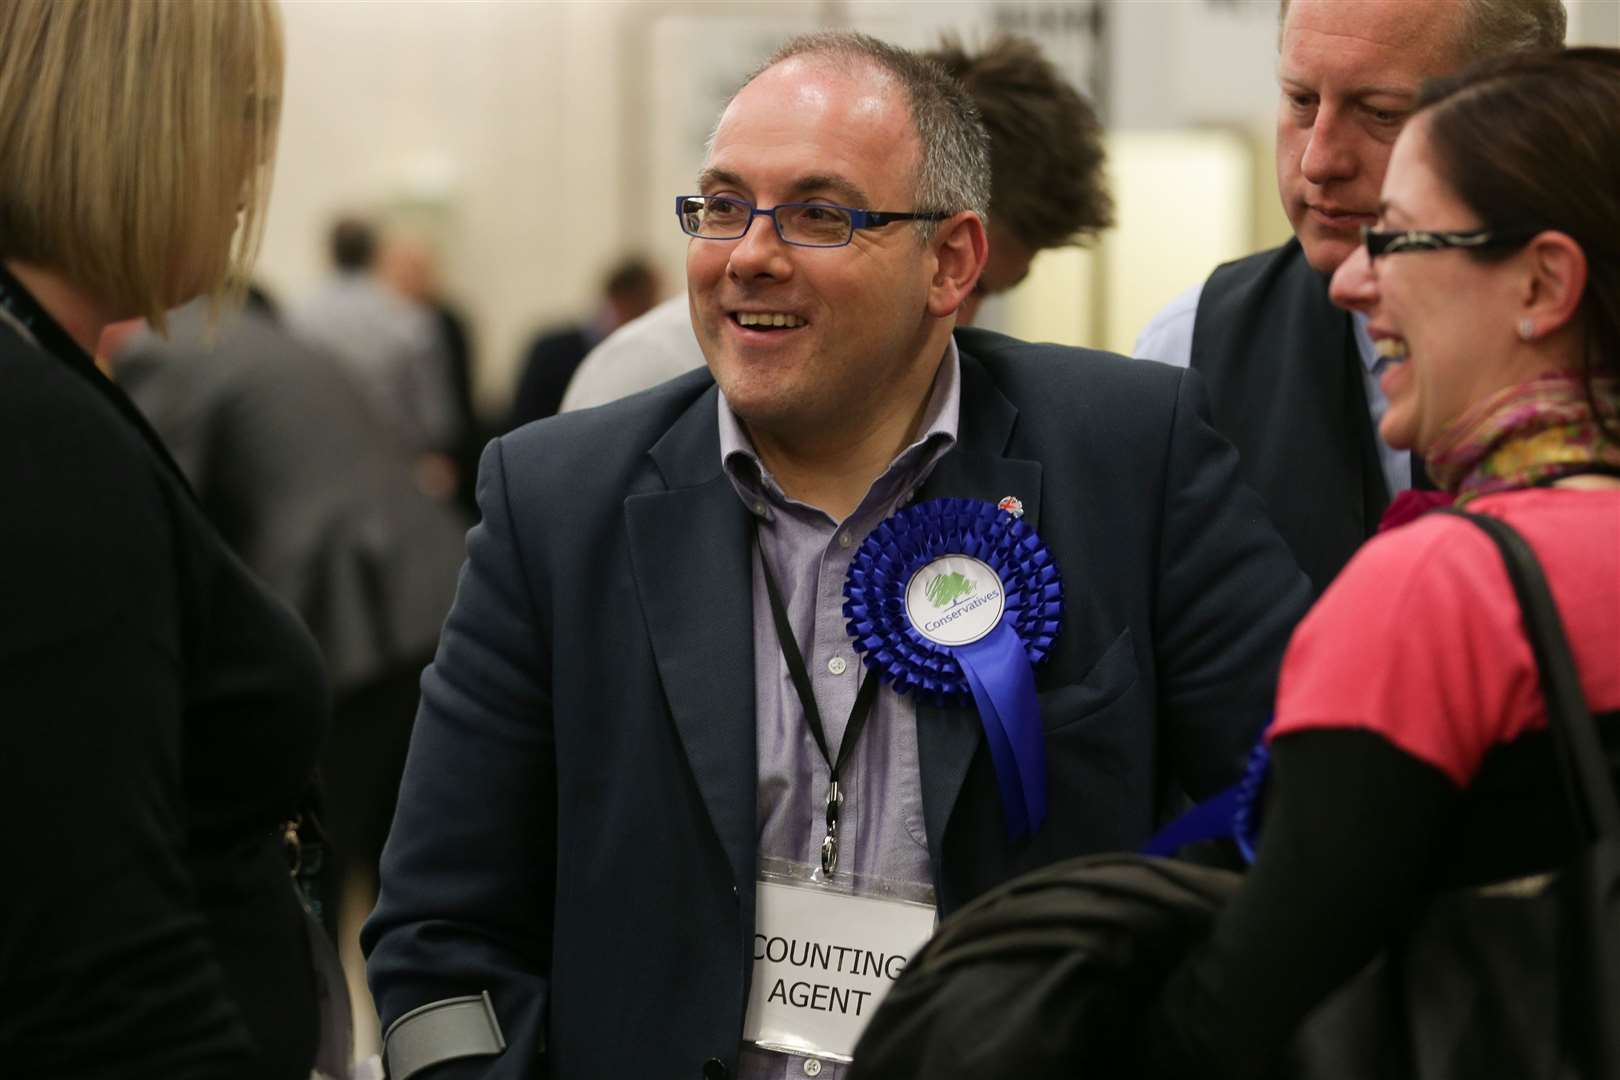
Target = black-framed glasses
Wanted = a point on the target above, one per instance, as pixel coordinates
(720, 217)
(1393, 243)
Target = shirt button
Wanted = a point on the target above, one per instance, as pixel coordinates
(812, 1066)
(837, 666)
(844, 539)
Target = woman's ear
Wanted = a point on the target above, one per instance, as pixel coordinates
(1555, 283)
(960, 250)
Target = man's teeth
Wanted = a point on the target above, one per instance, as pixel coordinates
(776, 318)
(1390, 349)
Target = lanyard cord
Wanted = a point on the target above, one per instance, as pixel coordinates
(858, 713)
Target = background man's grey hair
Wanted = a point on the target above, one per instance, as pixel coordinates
(953, 170)
(1494, 27)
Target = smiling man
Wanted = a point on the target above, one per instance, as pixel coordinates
(1292, 379)
(650, 762)
(1047, 190)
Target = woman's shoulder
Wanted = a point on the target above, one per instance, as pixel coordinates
(1573, 533)
(1421, 639)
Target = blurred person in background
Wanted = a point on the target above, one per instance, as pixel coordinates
(1048, 189)
(1491, 282)
(1293, 380)
(410, 266)
(629, 291)
(291, 466)
(391, 347)
(160, 709)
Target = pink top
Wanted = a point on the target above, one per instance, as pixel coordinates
(1419, 638)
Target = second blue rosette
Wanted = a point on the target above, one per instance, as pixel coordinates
(953, 600)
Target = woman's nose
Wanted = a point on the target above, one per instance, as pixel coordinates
(1355, 286)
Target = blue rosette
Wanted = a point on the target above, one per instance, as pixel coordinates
(957, 600)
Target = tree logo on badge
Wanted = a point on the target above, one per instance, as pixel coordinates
(947, 589)
(954, 600)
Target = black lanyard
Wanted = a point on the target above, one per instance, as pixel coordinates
(812, 715)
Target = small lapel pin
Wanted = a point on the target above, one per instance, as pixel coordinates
(1013, 505)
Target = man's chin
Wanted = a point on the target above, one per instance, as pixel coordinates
(1324, 245)
(1326, 249)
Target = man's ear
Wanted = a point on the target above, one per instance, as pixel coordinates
(1555, 282)
(960, 249)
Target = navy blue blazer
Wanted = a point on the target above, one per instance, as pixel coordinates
(576, 829)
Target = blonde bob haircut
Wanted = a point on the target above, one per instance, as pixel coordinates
(131, 134)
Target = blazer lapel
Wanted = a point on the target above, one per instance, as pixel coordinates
(976, 468)
(691, 561)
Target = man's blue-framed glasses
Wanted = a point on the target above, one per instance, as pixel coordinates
(720, 217)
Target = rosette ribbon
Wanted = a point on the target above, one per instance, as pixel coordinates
(994, 670)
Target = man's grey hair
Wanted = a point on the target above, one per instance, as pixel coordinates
(1495, 27)
(953, 167)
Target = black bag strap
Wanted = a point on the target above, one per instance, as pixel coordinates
(1579, 750)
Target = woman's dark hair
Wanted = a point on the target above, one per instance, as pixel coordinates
(1531, 141)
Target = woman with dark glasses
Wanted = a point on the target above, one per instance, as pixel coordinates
(1409, 712)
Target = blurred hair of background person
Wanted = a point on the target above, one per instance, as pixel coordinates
(161, 709)
(1292, 379)
(1491, 282)
(391, 347)
(1048, 189)
(629, 291)
(293, 469)
(410, 266)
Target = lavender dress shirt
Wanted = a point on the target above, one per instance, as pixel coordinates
(881, 824)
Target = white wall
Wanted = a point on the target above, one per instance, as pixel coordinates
(487, 124)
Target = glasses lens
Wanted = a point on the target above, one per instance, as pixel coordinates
(714, 217)
(814, 225)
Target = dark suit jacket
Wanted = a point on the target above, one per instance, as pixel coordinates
(576, 830)
(1286, 386)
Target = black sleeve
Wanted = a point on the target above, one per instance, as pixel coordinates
(1229, 596)
(1348, 852)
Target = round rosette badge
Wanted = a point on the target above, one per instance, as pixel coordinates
(957, 600)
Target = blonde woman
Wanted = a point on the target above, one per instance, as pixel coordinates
(159, 711)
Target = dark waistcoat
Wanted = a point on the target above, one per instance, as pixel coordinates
(1285, 384)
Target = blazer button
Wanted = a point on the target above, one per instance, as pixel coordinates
(715, 1069)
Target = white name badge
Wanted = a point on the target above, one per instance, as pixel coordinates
(824, 957)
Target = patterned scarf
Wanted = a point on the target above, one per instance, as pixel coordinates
(1527, 435)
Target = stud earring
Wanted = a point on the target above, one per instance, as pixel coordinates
(1527, 329)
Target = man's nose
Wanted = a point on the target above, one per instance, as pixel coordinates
(1330, 152)
(759, 252)
(1355, 286)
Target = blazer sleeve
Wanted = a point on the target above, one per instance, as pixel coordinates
(1230, 593)
(468, 873)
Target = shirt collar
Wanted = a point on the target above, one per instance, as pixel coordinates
(935, 435)
(1364, 346)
